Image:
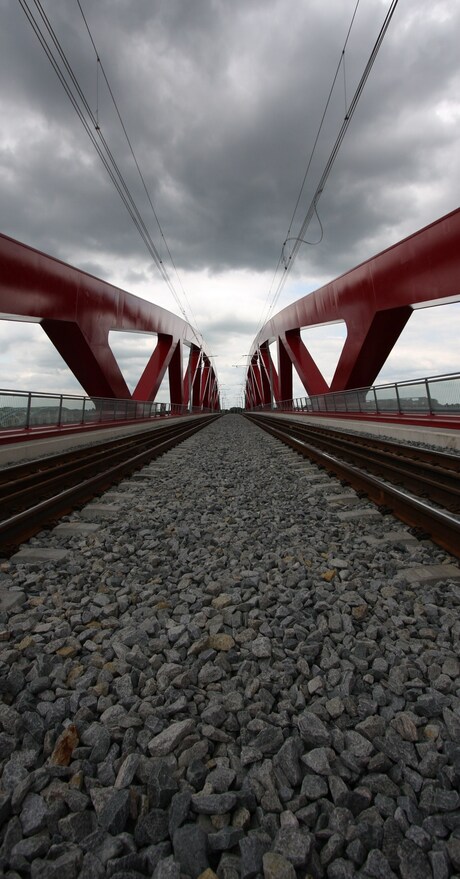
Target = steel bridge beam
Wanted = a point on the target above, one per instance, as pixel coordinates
(77, 312)
(375, 300)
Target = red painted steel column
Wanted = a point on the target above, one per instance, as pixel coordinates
(251, 388)
(265, 381)
(196, 385)
(190, 374)
(307, 370)
(204, 385)
(208, 399)
(257, 382)
(150, 380)
(269, 370)
(90, 359)
(210, 388)
(364, 354)
(247, 398)
(215, 396)
(176, 384)
(285, 373)
(211, 402)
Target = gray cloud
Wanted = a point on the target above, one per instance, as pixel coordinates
(222, 103)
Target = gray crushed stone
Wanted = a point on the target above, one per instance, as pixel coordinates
(417, 444)
(229, 675)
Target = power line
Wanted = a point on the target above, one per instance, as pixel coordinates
(345, 124)
(298, 240)
(312, 152)
(74, 92)
(339, 65)
(73, 101)
(101, 66)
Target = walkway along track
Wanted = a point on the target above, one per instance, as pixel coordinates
(408, 480)
(39, 492)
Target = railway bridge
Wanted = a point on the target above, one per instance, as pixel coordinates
(222, 654)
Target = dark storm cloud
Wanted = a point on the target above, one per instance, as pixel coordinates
(222, 102)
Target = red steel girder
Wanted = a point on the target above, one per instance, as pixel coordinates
(191, 373)
(375, 300)
(268, 373)
(77, 312)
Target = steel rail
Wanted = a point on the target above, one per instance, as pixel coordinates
(19, 527)
(442, 527)
(391, 446)
(399, 463)
(45, 474)
(12, 472)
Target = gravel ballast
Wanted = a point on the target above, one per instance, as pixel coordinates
(230, 664)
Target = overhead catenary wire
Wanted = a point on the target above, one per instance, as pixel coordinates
(302, 240)
(108, 159)
(326, 107)
(96, 126)
(299, 238)
(75, 105)
(310, 159)
(90, 122)
(343, 130)
(128, 140)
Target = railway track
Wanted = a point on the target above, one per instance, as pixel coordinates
(419, 486)
(37, 493)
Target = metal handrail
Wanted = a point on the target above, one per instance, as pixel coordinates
(28, 410)
(391, 398)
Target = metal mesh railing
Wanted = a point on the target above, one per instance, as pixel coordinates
(22, 410)
(437, 395)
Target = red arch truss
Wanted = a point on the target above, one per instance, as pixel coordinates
(77, 312)
(375, 300)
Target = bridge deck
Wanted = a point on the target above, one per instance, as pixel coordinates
(231, 661)
(443, 435)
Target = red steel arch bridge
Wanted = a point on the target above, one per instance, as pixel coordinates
(375, 300)
(77, 312)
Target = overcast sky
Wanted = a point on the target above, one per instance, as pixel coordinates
(222, 100)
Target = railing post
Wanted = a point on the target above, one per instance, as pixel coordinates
(59, 420)
(430, 407)
(29, 404)
(83, 411)
(376, 401)
(398, 400)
